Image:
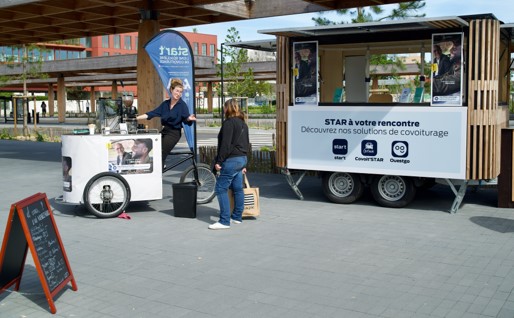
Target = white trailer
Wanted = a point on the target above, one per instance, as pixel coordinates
(336, 125)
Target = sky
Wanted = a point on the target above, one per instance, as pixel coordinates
(248, 29)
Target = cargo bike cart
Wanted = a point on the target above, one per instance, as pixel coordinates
(97, 174)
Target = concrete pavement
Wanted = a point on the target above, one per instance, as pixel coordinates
(307, 258)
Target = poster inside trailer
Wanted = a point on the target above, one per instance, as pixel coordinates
(305, 73)
(446, 77)
(408, 141)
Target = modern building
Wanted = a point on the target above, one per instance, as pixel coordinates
(107, 45)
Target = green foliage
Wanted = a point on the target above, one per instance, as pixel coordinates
(39, 137)
(375, 13)
(417, 81)
(27, 66)
(266, 109)
(77, 94)
(201, 110)
(266, 149)
(239, 82)
(5, 134)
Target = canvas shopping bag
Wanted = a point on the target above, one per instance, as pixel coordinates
(252, 207)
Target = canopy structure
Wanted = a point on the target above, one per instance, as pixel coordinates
(33, 21)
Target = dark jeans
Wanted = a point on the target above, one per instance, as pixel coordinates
(231, 177)
(170, 138)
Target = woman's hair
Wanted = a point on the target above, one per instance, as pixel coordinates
(232, 109)
(438, 49)
(174, 82)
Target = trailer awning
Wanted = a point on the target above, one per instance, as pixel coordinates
(259, 45)
(373, 27)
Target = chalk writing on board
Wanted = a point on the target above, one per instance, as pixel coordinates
(46, 244)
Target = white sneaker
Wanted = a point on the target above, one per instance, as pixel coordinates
(235, 221)
(218, 226)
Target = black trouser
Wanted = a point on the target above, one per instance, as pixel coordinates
(170, 138)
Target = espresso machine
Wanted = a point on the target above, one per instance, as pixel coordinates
(129, 112)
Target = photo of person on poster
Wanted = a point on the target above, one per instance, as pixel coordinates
(305, 70)
(122, 156)
(141, 151)
(66, 173)
(447, 79)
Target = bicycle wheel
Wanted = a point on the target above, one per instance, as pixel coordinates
(106, 195)
(206, 182)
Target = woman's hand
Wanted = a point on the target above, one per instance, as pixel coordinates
(191, 117)
(217, 167)
(244, 170)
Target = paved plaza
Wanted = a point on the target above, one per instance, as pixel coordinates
(307, 258)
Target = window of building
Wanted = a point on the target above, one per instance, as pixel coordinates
(127, 43)
(136, 42)
(105, 41)
(60, 54)
(105, 53)
(117, 41)
(7, 53)
(212, 50)
(73, 54)
(48, 55)
(85, 42)
(34, 55)
(15, 55)
(204, 49)
(195, 48)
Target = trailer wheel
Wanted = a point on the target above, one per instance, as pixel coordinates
(342, 187)
(393, 191)
(106, 195)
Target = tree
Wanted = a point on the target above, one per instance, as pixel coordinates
(30, 63)
(77, 94)
(239, 83)
(376, 13)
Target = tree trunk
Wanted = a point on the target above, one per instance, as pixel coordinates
(25, 93)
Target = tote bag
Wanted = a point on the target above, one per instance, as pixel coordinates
(251, 206)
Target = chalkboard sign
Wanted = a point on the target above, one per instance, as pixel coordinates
(14, 251)
(31, 225)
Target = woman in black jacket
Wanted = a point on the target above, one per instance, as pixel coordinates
(233, 146)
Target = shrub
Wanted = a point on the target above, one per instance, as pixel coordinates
(5, 134)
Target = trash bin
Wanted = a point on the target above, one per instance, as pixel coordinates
(184, 199)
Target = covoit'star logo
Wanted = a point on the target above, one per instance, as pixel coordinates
(173, 51)
(369, 148)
